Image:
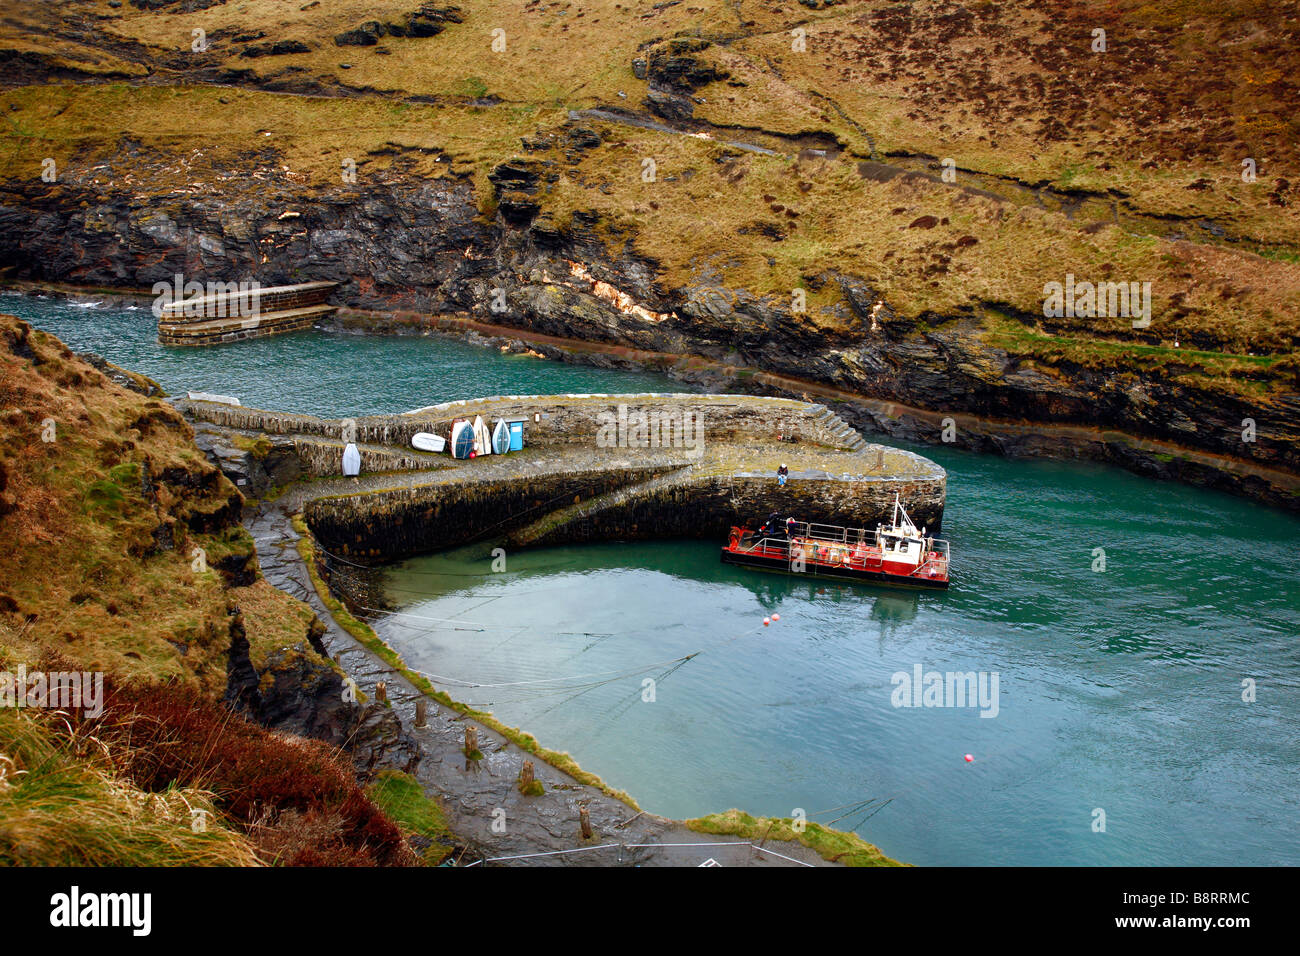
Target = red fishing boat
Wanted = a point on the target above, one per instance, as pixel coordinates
(898, 553)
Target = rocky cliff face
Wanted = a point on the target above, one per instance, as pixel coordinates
(295, 693)
(128, 554)
(815, 146)
(426, 246)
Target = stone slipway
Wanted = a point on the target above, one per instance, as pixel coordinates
(630, 492)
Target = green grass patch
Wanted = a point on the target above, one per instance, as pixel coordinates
(259, 447)
(403, 801)
(104, 495)
(233, 540)
(833, 845)
(1279, 254)
(1252, 376)
(125, 475)
(473, 87)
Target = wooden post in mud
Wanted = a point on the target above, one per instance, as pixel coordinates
(766, 834)
(471, 740)
(381, 692)
(526, 775)
(584, 820)
(422, 712)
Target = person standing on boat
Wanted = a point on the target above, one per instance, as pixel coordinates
(782, 474)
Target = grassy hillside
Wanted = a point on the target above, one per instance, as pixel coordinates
(116, 521)
(1066, 159)
(125, 557)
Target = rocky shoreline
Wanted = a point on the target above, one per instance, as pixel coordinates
(1268, 472)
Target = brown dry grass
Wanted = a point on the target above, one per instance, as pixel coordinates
(1159, 122)
(85, 575)
(102, 520)
(775, 224)
(1183, 93)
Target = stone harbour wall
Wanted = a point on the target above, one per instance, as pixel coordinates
(557, 419)
(391, 524)
(249, 301)
(567, 486)
(324, 458)
(708, 508)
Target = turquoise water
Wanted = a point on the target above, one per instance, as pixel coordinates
(332, 375)
(1118, 690)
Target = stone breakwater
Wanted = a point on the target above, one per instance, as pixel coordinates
(564, 419)
(579, 478)
(237, 312)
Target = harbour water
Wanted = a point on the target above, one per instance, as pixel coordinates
(1121, 733)
(1119, 695)
(319, 373)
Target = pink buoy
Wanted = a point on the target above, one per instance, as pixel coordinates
(969, 758)
(776, 617)
(767, 621)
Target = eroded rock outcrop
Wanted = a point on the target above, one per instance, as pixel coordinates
(425, 246)
(297, 692)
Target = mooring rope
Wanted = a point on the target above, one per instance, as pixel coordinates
(380, 614)
(561, 685)
(552, 680)
(869, 805)
(672, 665)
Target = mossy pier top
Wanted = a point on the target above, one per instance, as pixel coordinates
(595, 467)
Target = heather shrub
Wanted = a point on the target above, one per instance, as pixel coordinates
(298, 799)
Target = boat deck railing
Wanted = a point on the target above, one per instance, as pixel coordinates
(853, 536)
(936, 557)
(748, 542)
(809, 536)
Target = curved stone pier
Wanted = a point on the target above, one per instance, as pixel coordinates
(594, 468)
